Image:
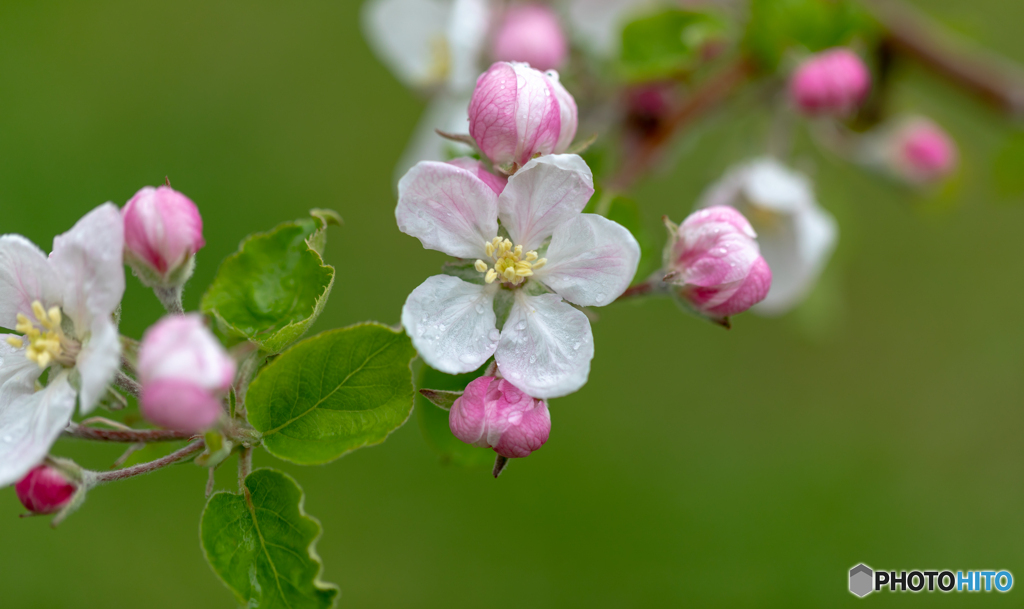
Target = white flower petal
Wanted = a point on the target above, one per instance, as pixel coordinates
(591, 260)
(89, 259)
(30, 424)
(97, 362)
(410, 36)
(18, 373)
(452, 323)
(545, 347)
(467, 32)
(448, 209)
(446, 112)
(545, 193)
(25, 276)
(797, 252)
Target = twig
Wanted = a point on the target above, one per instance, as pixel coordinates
(991, 78)
(128, 453)
(709, 96)
(130, 436)
(244, 466)
(127, 384)
(145, 468)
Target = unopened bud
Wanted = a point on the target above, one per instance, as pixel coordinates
(518, 112)
(921, 152)
(44, 490)
(716, 262)
(834, 82)
(162, 232)
(184, 373)
(531, 33)
(493, 413)
(477, 168)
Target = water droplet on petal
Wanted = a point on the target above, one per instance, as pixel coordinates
(480, 309)
(533, 358)
(576, 347)
(494, 335)
(521, 325)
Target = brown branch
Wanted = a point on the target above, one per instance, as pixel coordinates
(993, 79)
(710, 95)
(152, 466)
(130, 436)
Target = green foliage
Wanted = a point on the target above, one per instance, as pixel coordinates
(777, 26)
(275, 286)
(333, 393)
(667, 43)
(262, 544)
(434, 420)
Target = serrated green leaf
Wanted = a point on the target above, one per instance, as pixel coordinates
(667, 43)
(333, 393)
(777, 26)
(274, 287)
(433, 421)
(262, 544)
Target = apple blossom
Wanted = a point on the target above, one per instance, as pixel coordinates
(493, 413)
(162, 232)
(62, 309)
(184, 372)
(714, 258)
(544, 345)
(531, 33)
(495, 182)
(44, 490)
(920, 151)
(832, 82)
(517, 113)
(795, 235)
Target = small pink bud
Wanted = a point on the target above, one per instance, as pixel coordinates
(184, 373)
(717, 263)
(477, 168)
(44, 490)
(833, 82)
(492, 413)
(162, 232)
(923, 152)
(518, 112)
(531, 33)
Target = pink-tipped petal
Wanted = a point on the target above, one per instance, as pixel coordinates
(547, 192)
(162, 228)
(494, 413)
(531, 33)
(495, 182)
(180, 405)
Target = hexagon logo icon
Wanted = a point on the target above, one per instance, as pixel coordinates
(861, 578)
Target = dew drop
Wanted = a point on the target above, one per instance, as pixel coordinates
(722, 251)
(521, 325)
(480, 309)
(467, 358)
(533, 358)
(440, 327)
(576, 347)
(494, 335)
(600, 297)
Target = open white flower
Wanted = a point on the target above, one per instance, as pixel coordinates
(62, 308)
(544, 250)
(796, 235)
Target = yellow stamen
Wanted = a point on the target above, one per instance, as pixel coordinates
(46, 342)
(480, 266)
(491, 276)
(15, 342)
(511, 264)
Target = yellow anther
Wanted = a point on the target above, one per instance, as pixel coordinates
(531, 256)
(39, 311)
(15, 342)
(489, 248)
(540, 263)
(509, 274)
(54, 315)
(480, 266)
(511, 264)
(43, 339)
(519, 251)
(491, 276)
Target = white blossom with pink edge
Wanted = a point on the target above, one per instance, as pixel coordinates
(796, 236)
(552, 252)
(62, 307)
(184, 373)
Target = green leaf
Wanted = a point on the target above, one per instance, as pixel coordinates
(433, 421)
(668, 43)
(275, 286)
(777, 26)
(333, 393)
(262, 544)
(442, 399)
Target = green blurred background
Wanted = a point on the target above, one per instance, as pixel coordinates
(880, 423)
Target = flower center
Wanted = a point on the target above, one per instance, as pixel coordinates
(511, 265)
(46, 341)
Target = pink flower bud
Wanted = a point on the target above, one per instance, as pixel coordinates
(532, 34)
(492, 413)
(923, 152)
(44, 490)
(496, 183)
(518, 112)
(717, 262)
(834, 82)
(162, 232)
(184, 373)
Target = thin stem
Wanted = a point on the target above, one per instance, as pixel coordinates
(244, 466)
(127, 384)
(171, 299)
(500, 463)
(709, 96)
(128, 436)
(145, 468)
(651, 286)
(993, 79)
